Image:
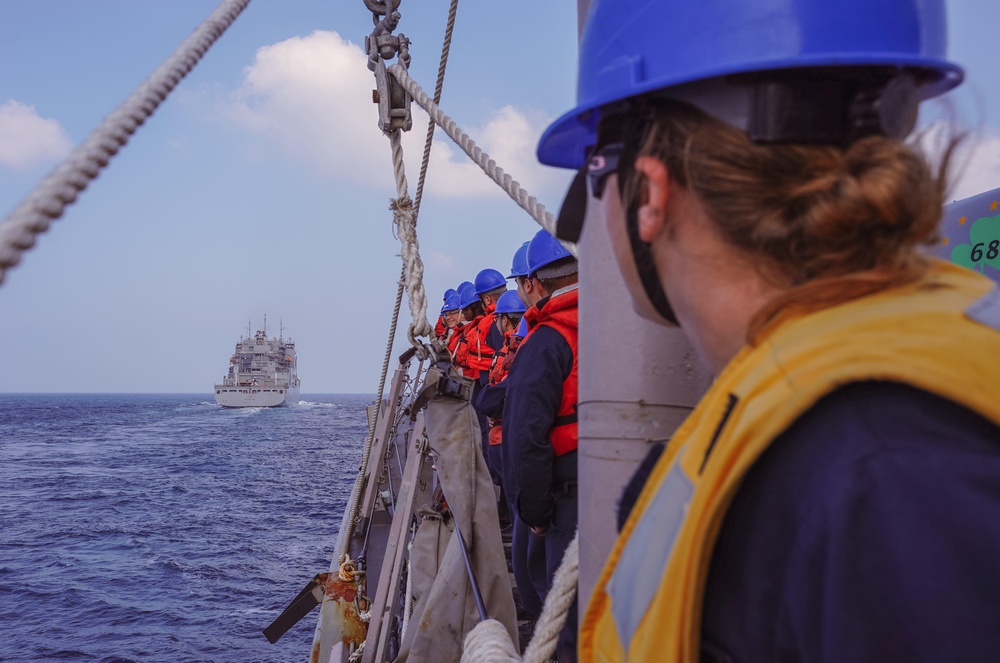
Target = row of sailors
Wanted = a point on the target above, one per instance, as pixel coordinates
(528, 407)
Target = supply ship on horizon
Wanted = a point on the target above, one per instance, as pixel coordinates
(263, 372)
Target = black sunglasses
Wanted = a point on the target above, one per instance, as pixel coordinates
(601, 165)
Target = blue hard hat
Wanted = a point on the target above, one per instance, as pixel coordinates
(544, 249)
(449, 292)
(633, 47)
(467, 295)
(522, 329)
(489, 279)
(519, 265)
(509, 302)
(451, 303)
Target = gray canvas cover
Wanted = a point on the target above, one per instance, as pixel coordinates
(446, 611)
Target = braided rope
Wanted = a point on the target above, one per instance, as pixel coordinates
(404, 216)
(357, 654)
(408, 597)
(526, 201)
(405, 213)
(557, 605)
(442, 65)
(355, 501)
(48, 201)
(489, 640)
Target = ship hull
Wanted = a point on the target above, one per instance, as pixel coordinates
(255, 396)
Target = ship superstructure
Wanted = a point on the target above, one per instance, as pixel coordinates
(263, 372)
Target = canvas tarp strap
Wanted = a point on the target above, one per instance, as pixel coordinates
(439, 622)
(427, 550)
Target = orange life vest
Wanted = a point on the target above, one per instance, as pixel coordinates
(502, 359)
(460, 356)
(474, 354)
(480, 353)
(560, 313)
(456, 335)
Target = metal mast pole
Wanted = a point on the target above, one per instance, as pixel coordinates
(638, 381)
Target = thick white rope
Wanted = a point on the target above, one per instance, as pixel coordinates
(48, 201)
(404, 216)
(489, 640)
(438, 86)
(557, 605)
(354, 503)
(408, 599)
(527, 202)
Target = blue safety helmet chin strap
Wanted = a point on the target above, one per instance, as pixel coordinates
(642, 252)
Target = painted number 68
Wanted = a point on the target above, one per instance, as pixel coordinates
(992, 250)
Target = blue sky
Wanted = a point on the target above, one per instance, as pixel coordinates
(261, 186)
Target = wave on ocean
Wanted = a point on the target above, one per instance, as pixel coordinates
(192, 524)
(313, 404)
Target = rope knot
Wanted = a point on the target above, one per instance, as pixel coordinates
(348, 569)
(402, 206)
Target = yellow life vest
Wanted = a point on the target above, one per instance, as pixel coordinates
(940, 334)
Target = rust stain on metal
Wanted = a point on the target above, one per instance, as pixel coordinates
(314, 655)
(353, 629)
(337, 589)
(340, 597)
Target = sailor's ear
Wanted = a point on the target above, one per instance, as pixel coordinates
(654, 194)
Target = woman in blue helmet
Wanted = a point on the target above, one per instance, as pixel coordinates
(834, 496)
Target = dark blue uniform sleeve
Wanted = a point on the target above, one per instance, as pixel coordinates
(867, 532)
(495, 338)
(534, 392)
(490, 400)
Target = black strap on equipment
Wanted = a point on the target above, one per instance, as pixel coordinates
(567, 419)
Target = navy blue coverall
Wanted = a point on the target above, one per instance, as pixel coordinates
(541, 486)
(869, 531)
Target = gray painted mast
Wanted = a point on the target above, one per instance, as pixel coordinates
(632, 393)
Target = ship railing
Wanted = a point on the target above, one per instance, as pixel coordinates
(401, 548)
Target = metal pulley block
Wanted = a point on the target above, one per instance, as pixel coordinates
(393, 101)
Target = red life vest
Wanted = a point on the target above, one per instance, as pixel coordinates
(560, 313)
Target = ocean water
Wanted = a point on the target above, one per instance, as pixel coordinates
(164, 527)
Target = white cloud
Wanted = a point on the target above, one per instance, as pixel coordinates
(976, 163)
(312, 97)
(28, 140)
(437, 262)
(509, 137)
